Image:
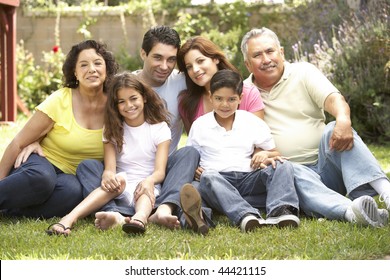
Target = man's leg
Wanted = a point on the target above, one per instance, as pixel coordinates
(315, 198)
(348, 172)
(180, 170)
(318, 200)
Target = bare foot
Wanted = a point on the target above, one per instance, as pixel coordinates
(107, 220)
(163, 217)
(67, 222)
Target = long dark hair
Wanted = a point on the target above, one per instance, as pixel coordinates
(68, 69)
(190, 98)
(154, 109)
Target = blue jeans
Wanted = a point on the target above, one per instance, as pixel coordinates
(89, 172)
(237, 194)
(323, 187)
(181, 168)
(39, 189)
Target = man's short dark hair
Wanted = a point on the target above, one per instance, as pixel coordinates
(160, 34)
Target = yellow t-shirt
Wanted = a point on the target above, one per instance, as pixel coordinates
(67, 144)
(294, 111)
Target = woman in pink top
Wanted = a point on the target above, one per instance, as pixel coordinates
(200, 59)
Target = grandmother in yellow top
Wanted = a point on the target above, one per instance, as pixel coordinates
(40, 180)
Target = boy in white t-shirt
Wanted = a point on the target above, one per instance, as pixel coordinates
(242, 170)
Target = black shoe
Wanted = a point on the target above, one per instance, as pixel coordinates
(283, 216)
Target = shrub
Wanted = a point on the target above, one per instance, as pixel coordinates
(127, 61)
(360, 59)
(357, 63)
(316, 17)
(35, 83)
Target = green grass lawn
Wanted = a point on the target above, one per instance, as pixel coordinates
(25, 239)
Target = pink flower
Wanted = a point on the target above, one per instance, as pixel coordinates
(55, 49)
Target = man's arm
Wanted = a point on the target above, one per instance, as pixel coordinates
(342, 136)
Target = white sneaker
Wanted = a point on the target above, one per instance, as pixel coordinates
(383, 217)
(386, 200)
(251, 222)
(366, 212)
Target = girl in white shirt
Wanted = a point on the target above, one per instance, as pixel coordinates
(136, 143)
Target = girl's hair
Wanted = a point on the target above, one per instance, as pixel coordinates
(69, 66)
(226, 79)
(190, 98)
(154, 108)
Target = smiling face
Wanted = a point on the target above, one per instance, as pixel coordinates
(225, 102)
(131, 106)
(200, 68)
(90, 69)
(158, 64)
(265, 60)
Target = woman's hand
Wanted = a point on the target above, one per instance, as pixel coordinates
(24, 154)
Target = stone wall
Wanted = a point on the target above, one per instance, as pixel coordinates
(38, 32)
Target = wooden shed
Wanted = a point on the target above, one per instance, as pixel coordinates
(8, 89)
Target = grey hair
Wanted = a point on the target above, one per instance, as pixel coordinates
(257, 32)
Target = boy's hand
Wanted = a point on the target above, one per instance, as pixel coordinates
(258, 160)
(198, 173)
(271, 161)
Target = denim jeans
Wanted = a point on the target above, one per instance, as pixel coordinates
(237, 194)
(39, 189)
(181, 168)
(323, 187)
(89, 172)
